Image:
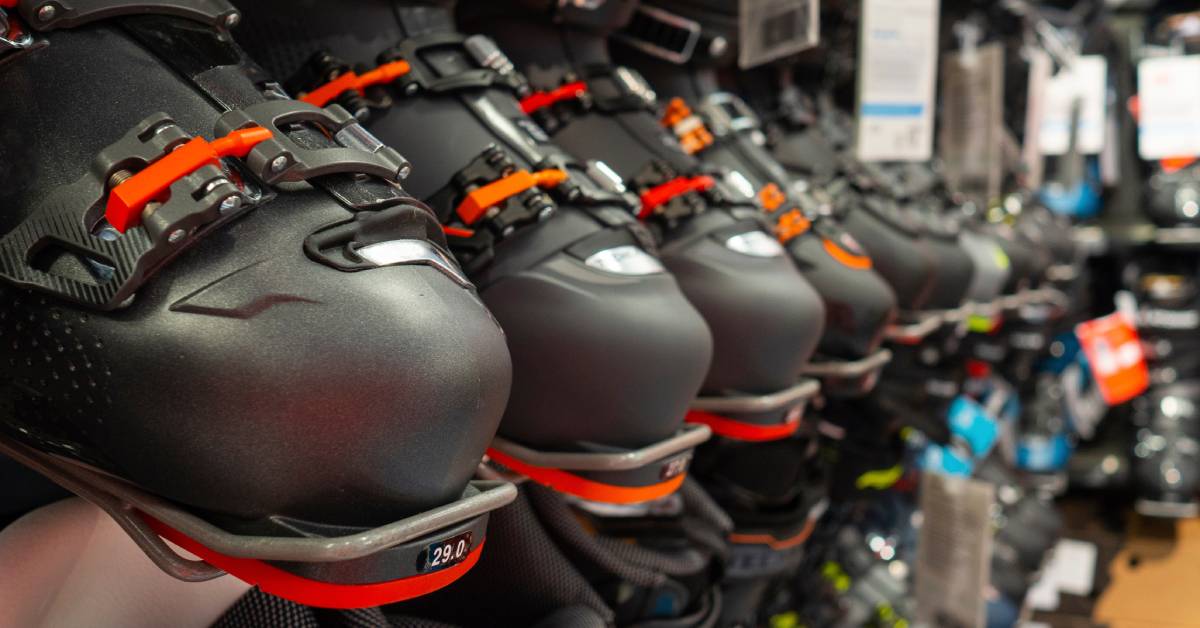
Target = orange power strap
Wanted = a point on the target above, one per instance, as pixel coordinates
(740, 430)
(480, 199)
(662, 194)
(775, 543)
(310, 592)
(127, 200)
(348, 80)
(541, 100)
(584, 488)
(791, 224)
(687, 126)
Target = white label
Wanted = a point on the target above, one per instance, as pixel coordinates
(1072, 570)
(896, 79)
(954, 550)
(1083, 84)
(1169, 107)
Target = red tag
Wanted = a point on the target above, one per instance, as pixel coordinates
(1115, 356)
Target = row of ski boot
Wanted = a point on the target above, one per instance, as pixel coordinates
(655, 353)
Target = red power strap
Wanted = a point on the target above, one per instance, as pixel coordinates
(310, 592)
(741, 430)
(348, 80)
(9, 4)
(592, 490)
(541, 100)
(662, 194)
(127, 200)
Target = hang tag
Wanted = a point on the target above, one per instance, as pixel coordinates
(1115, 356)
(972, 121)
(1168, 107)
(1083, 87)
(897, 74)
(954, 550)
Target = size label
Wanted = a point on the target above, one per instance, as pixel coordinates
(896, 80)
(1075, 95)
(445, 553)
(1115, 355)
(1169, 107)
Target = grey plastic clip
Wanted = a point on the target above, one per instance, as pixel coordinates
(282, 159)
(687, 437)
(124, 502)
(46, 15)
(803, 391)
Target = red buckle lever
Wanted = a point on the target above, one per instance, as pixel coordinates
(127, 200)
(541, 100)
(348, 80)
(662, 194)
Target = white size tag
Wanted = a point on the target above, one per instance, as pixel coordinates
(1084, 86)
(1169, 107)
(954, 550)
(897, 56)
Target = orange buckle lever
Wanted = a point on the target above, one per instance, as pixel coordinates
(541, 100)
(688, 127)
(791, 224)
(348, 80)
(771, 197)
(477, 201)
(127, 200)
(662, 194)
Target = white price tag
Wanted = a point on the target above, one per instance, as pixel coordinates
(1169, 107)
(896, 80)
(1084, 84)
